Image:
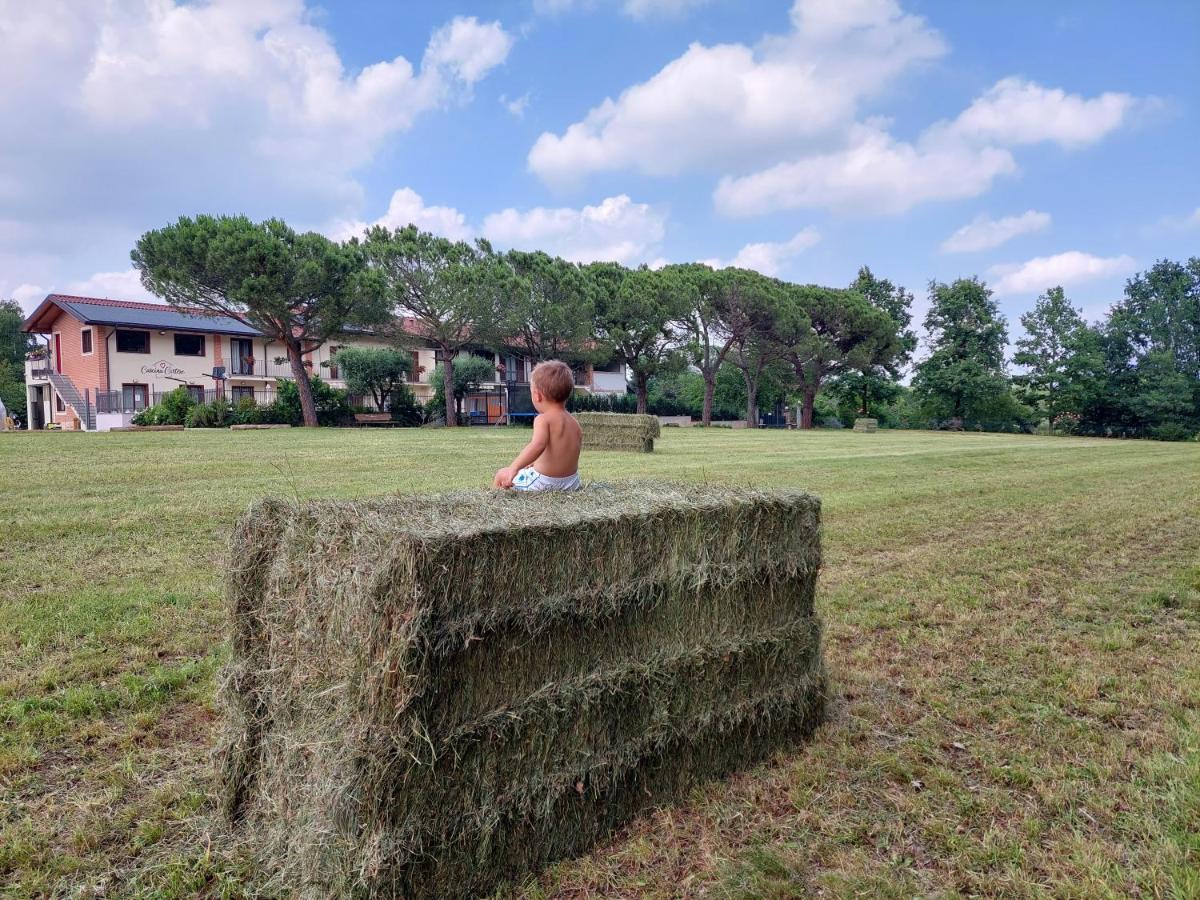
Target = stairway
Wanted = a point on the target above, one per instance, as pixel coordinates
(71, 396)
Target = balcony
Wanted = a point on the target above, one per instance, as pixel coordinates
(251, 367)
(37, 370)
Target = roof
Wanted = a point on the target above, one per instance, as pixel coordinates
(96, 311)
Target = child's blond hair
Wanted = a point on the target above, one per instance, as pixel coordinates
(554, 379)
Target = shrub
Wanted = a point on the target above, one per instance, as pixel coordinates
(217, 414)
(172, 409)
(333, 405)
(1172, 431)
(404, 406)
(246, 412)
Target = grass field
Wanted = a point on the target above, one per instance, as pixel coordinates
(1013, 634)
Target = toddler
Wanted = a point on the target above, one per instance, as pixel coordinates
(550, 461)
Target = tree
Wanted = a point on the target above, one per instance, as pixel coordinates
(704, 294)
(830, 332)
(14, 344)
(757, 345)
(1152, 348)
(878, 383)
(549, 313)
(374, 371)
(451, 288)
(298, 289)
(964, 377)
(634, 311)
(468, 373)
(1053, 332)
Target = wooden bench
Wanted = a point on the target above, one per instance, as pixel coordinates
(375, 418)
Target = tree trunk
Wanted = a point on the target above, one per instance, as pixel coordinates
(710, 389)
(308, 409)
(641, 389)
(448, 389)
(751, 399)
(806, 410)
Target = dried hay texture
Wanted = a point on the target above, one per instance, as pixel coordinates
(866, 425)
(618, 431)
(430, 695)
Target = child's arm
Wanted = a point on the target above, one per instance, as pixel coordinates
(537, 444)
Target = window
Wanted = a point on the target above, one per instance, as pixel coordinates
(85, 339)
(134, 397)
(415, 375)
(242, 393)
(196, 392)
(133, 341)
(58, 403)
(333, 368)
(242, 360)
(189, 345)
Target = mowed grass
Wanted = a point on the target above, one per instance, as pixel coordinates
(1013, 633)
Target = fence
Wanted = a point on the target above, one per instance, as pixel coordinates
(135, 401)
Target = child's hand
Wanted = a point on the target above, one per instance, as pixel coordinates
(504, 477)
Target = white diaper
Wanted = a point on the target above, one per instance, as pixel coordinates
(530, 479)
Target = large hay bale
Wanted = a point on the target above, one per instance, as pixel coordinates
(867, 425)
(429, 695)
(618, 431)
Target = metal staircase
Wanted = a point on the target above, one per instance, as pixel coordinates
(71, 396)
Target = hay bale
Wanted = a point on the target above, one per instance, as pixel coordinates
(867, 425)
(618, 431)
(427, 696)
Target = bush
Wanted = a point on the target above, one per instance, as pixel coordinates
(1172, 431)
(333, 405)
(171, 410)
(246, 412)
(218, 414)
(404, 406)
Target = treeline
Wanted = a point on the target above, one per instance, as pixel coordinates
(693, 337)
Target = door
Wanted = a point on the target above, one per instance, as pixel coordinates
(135, 397)
(37, 413)
(58, 353)
(243, 356)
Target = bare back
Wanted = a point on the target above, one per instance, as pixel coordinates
(563, 438)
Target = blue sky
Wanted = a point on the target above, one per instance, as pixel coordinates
(1054, 142)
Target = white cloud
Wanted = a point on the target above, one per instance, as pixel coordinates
(983, 233)
(616, 229)
(1185, 222)
(728, 105)
(162, 63)
(125, 285)
(133, 112)
(407, 208)
(516, 106)
(28, 295)
(1015, 111)
(770, 257)
(635, 9)
(1043, 272)
(874, 174)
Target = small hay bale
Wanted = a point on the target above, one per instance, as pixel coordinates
(867, 425)
(429, 695)
(618, 431)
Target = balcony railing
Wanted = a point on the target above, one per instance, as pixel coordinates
(122, 402)
(257, 368)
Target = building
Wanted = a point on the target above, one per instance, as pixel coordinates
(104, 360)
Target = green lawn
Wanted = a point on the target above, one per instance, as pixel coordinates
(1013, 633)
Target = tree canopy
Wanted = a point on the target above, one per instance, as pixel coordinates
(298, 289)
